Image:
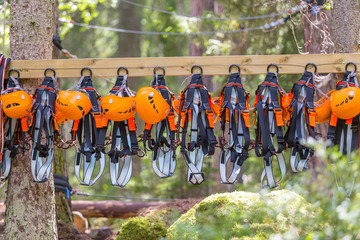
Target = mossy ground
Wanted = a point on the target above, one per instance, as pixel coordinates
(244, 215)
(236, 215)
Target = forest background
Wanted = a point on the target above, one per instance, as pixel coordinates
(288, 38)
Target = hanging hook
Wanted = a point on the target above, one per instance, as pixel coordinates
(159, 67)
(311, 64)
(86, 68)
(232, 66)
(49, 69)
(14, 70)
(122, 68)
(272, 65)
(351, 63)
(196, 66)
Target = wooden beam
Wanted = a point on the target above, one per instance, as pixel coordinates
(180, 66)
(110, 208)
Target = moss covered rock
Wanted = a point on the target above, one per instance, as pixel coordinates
(244, 215)
(139, 228)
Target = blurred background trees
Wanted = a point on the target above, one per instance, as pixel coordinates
(288, 38)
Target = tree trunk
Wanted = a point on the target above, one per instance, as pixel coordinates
(63, 205)
(30, 206)
(197, 9)
(345, 26)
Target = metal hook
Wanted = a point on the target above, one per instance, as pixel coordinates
(311, 64)
(122, 68)
(49, 69)
(14, 70)
(196, 66)
(86, 68)
(157, 67)
(351, 63)
(234, 65)
(272, 65)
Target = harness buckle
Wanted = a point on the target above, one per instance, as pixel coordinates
(279, 116)
(210, 116)
(246, 116)
(312, 113)
(98, 119)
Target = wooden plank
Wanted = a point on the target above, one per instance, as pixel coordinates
(110, 208)
(180, 66)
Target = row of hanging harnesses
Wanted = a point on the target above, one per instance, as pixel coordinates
(37, 120)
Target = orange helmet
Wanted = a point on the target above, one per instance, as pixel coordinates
(322, 108)
(176, 106)
(151, 106)
(344, 103)
(118, 108)
(73, 104)
(60, 118)
(216, 105)
(16, 104)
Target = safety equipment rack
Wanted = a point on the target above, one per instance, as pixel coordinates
(180, 66)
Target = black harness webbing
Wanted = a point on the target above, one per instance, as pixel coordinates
(302, 119)
(195, 112)
(90, 132)
(345, 133)
(234, 115)
(124, 140)
(42, 129)
(163, 147)
(268, 125)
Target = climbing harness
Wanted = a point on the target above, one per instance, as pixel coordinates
(302, 123)
(43, 128)
(164, 145)
(16, 105)
(3, 64)
(90, 132)
(196, 113)
(124, 140)
(234, 115)
(270, 123)
(345, 132)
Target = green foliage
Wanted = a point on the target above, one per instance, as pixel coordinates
(247, 216)
(139, 228)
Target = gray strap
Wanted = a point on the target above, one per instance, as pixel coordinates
(227, 153)
(164, 165)
(6, 159)
(196, 156)
(41, 167)
(120, 177)
(268, 173)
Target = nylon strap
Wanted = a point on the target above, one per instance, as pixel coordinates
(124, 141)
(5, 163)
(269, 125)
(42, 130)
(234, 107)
(303, 117)
(195, 109)
(90, 134)
(163, 147)
(345, 134)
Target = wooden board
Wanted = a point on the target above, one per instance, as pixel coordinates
(181, 66)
